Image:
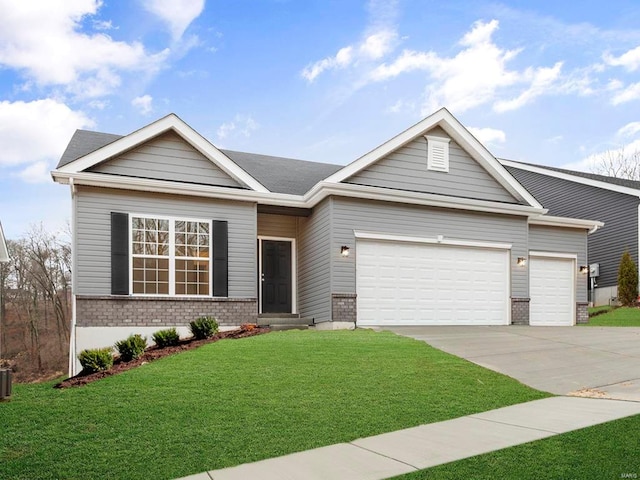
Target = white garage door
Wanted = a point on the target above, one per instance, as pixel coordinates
(402, 283)
(552, 286)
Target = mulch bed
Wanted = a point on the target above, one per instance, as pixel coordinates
(154, 353)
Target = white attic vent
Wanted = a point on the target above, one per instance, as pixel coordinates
(437, 153)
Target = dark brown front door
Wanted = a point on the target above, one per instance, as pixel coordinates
(276, 276)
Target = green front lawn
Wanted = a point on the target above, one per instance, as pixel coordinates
(607, 451)
(238, 401)
(616, 317)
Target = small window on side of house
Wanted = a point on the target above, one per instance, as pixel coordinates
(437, 153)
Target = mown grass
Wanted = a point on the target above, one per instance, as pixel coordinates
(606, 451)
(616, 317)
(238, 401)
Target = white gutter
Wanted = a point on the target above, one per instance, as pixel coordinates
(72, 332)
(552, 221)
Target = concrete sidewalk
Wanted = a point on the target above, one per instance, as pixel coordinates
(404, 451)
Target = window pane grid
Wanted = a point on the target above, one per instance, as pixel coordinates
(170, 256)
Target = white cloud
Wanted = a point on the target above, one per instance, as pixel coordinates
(541, 80)
(340, 60)
(629, 130)
(177, 14)
(36, 173)
(630, 60)
(591, 162)
(632, 92)
(488, 136)
(43, 40)
(378, 44)
(34, 131)
(241, 124)
(143, 104)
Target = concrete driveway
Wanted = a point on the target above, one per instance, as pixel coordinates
(586, 361)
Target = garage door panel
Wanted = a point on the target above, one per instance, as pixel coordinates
(401, 283)
(552, 291)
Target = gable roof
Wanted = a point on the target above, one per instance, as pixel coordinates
(171, 122)
(4, 253)
(84, 142)
(614, 184)
(444, 119)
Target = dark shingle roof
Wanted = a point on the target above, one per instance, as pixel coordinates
(279, 175)
(623, 182)
(83, 143)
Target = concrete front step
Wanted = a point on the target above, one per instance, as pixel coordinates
(284, 320)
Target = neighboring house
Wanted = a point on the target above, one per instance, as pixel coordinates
(428, 228)
(614, 201)
(4, 253)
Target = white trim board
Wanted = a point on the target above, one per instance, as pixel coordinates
(553, 255)
(439, 240)
(165, 124)
(4, 253)
(294, 270)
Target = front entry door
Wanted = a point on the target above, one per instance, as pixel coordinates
(276, 276)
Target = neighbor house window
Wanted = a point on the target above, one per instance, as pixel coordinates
(170, 256)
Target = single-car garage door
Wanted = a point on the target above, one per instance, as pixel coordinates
(404, 283)
(551, 287)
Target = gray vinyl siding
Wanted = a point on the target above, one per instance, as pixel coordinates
(167, 157)
(618, 211)
(314, 274)
(394, 218)
(406, 169)
(563, 240)
(93, 223)
(270, 225)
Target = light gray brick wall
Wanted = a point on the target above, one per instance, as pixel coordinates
(520, 311)
(582, 312)
(108, 311)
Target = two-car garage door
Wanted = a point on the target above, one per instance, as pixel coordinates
(406, 283)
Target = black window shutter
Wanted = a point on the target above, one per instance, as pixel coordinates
(220, 259)
(119, 253)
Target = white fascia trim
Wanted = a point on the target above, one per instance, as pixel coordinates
(457, 132)
(170, 122)
(571, 256)
(324, 189)
(318, 193)
(439, 240)
(572, 178)
(551, 221)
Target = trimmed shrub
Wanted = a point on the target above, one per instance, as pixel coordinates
(203, 327)
(132, 347)
(627, 280)
(96, 359)
(166, 338)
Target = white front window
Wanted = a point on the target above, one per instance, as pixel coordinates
(170, 256)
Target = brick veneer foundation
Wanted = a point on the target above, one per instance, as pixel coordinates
(582, 312)
(520, 311)
(114, 311)
(343, 307)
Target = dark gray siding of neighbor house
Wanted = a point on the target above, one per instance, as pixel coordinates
(418, 221)
(563, 240)
(167, 157)
(406, 169)
(618, 211)
(314, 266)
(93, 239)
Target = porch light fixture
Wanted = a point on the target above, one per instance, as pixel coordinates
(584, 269)
(522, 262)
(344, 251)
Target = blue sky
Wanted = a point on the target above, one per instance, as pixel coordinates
(543, 82)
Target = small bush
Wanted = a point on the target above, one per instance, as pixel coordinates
(131, 348)
(203, 327)
(166, 338)
(627, 280)
(96, 359)
(248, 327)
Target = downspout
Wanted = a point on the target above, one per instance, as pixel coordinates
(72, 334)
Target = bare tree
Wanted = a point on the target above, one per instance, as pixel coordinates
(619, 163)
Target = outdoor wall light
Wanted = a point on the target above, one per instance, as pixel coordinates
(344, 251)
(522, 262)
(584, 269)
